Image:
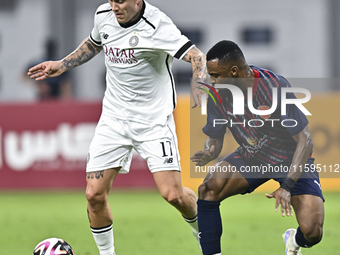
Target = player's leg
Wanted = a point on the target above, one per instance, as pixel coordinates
(98, 208)
(162, 155)
(309, 211)
(97, 191)
(307, 201)
(114, 155)
(216, 187)
(182, 198)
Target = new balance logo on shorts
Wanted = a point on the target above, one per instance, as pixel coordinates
(168, 160)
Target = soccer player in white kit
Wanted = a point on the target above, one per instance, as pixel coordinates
(139, 42)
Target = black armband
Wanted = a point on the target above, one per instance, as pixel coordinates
(288, 184)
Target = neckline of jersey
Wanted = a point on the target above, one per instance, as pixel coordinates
(129, 24)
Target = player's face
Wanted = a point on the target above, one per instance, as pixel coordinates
(218, 72)
(125, 10)
(222, 73)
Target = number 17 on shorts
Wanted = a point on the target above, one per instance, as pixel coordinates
(161, 154)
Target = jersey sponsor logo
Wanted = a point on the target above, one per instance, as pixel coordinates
(120, 56)
(264, 107)
(255, 144)
(252, 140)
(134, 41)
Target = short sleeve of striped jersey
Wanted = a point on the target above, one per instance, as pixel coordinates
(95, 35)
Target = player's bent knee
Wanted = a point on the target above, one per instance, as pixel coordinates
(173, 198)
(314, 236)
(312, 233)
(95, 199)
(202, 191)
(205, 193)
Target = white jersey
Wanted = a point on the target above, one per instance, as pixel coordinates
(138, 58)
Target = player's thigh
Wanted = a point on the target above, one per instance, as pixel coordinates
(169, 183)
(309, 211)
(163, 160)
(224, 181)
(161, 154)
(110, 147)
(99, 183)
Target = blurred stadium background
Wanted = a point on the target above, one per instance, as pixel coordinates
(43, 144)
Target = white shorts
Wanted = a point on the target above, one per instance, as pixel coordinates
(115, 139)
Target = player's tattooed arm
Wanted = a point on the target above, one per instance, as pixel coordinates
(48, 69)
(197, 60)
(199, 73)
(86, 51)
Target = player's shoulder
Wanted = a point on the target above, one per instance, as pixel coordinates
(263, 72)
(103, 8)
(102, 13)
(271, 78)
(155, 15)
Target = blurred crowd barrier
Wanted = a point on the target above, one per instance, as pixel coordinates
(45, 144)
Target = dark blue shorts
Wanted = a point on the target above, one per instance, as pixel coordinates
(258, 174)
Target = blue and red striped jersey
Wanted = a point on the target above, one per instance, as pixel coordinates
(262, 138)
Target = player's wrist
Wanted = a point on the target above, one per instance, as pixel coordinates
(288, 184)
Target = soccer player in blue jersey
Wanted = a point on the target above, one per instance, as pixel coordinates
(263, 142)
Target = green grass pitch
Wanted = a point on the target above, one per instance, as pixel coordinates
(145, 224)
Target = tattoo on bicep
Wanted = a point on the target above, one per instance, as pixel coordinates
(81, 55)
(97, 175)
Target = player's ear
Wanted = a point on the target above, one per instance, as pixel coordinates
(234, 71)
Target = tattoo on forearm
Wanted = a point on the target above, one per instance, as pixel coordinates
(198, 66)
(97, 175)
(197, 60)
(81, 55)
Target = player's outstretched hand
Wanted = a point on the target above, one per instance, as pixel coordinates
(282, 197)
(45, 70)
(203, 157)
(197, 93)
